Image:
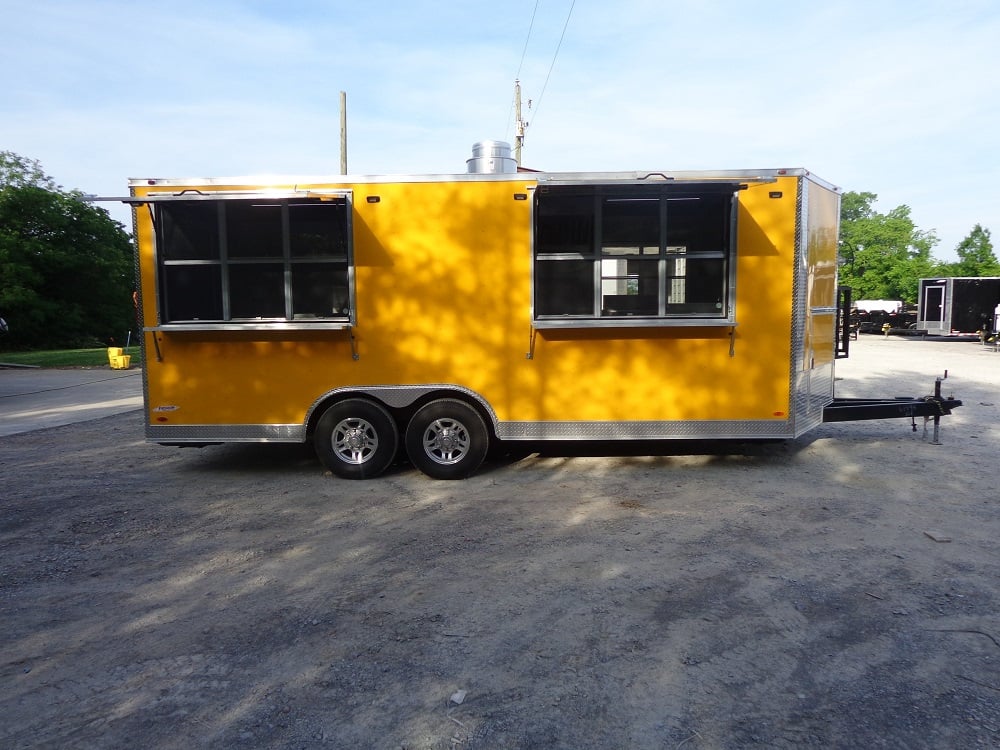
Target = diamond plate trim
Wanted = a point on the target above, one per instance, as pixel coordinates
(227, 433)
(667, 430)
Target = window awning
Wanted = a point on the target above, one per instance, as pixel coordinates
(659, 186)
(216, 195)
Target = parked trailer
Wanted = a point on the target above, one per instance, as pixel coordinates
(958, 304)
(443, 314)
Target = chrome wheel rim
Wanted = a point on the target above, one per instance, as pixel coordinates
(354, 440)
(446, 441)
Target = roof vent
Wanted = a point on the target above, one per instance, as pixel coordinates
(491, 157)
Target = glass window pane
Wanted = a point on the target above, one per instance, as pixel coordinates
(696, 286)
(630, 226)
(257, 290)
(647, 269)
(564, 287)
(320, 290)
(697, 224)
(188, 230)
(253, 229)
(629, 286)
(318, 229)
(192, 293)
(564, 224)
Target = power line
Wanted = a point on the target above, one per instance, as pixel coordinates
(524, 52)
(516, 101)
(538, 102)
(531, 25)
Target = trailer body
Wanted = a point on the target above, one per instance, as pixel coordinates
(571, 306)
(957, 304)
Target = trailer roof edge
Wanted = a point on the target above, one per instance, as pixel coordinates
(756, 175)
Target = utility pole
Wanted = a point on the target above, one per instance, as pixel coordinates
(343, 132)
(519, 124)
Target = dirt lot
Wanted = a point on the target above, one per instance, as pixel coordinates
(781, 595)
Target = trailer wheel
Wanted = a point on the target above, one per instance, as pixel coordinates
(356, 439)
(447, 439)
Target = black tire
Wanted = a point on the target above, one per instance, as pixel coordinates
(356, 439)
(447, 439)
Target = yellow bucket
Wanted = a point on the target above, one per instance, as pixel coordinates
(121, 361)
(114, 351)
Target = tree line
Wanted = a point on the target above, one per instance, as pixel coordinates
(884, 256)
(67, 269)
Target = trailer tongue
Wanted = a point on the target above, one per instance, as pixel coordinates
(928, 407)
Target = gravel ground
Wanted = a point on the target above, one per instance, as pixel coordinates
(839, 590)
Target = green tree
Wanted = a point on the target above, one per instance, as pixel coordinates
(17, 171)
(883, 256)
(975, 256)
(66, 271)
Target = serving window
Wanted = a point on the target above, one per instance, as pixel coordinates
(250, 260)
(634, 254)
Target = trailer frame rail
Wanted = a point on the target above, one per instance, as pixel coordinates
(858, 409)
(929, 407)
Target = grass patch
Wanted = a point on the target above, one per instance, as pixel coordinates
(66, 357)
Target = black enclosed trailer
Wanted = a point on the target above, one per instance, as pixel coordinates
(957, 304)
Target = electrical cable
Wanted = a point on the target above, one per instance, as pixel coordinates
(524, 52)
(538, 101)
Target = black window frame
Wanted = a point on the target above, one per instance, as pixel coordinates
(653, 243)
(254, 261)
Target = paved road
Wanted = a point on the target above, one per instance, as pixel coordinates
(33, 399)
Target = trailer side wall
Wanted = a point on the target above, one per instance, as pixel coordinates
(442, 272)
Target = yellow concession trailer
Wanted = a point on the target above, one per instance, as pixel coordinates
(439, 315)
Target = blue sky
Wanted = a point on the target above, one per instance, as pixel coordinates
(901, 99)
